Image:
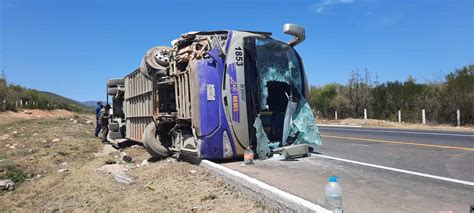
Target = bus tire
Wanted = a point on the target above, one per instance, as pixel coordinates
(115, 82)
(112, 91)
(152, 143)
(158, 57)
(114, 127)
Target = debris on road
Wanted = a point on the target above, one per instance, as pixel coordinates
(63, 170)
(150, 186)
(144, 163)
(110, 161)
(127, 159)
(192, 171)
(7, 185)
(295, 151)
(123, 178)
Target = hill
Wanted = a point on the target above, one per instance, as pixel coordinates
(14, 97)
(91, 103)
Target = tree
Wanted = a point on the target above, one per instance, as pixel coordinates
(439, 99)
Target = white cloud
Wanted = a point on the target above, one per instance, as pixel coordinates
(323, 4)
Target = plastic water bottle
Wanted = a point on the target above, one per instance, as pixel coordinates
(248, 156)
(333, 193)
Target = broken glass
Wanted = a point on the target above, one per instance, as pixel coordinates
(285, 116)
(303, 125)
(290, 111)
(276, 61)
(263, 149)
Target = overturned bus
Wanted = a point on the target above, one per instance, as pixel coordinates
(214, 94)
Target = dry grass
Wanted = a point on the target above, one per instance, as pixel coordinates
(163, 185)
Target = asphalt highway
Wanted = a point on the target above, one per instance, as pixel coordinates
(381, 170)
(447, 154)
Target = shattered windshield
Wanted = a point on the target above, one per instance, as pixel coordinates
(278, 111)
(276, 62)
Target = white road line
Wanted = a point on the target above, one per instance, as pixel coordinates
(399, 170)
(334, 125)
(405, 132)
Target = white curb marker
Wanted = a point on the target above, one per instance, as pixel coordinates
(256, 184)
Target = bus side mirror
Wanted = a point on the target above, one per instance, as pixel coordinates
(296, 31)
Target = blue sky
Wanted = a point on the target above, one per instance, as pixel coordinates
(71, 47)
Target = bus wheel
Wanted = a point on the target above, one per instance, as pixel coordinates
(152, 143)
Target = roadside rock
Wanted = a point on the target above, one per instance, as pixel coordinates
(112, 169)
(56, 154)
(106, 150)
(12, 146)
(7, 185)
(4, 137)
(89, 122)
(55, 140)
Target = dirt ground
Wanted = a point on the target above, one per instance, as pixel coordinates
(9, 116)
(58, 165)
(390, 124)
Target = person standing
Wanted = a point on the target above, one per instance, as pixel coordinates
(97, 122)
(104, 116)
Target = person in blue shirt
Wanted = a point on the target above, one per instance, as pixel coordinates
(97, 112)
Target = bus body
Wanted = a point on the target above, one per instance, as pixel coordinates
(203, 95)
